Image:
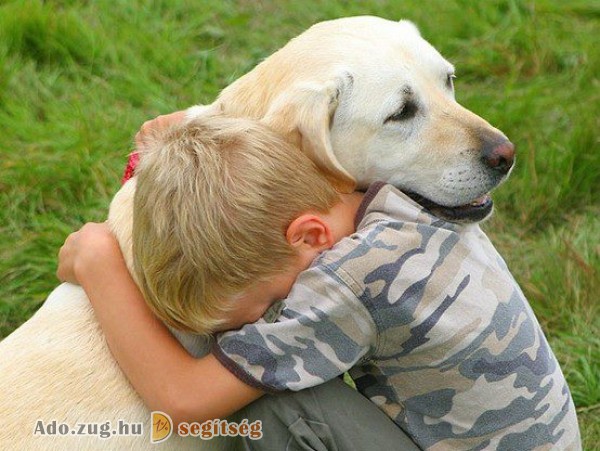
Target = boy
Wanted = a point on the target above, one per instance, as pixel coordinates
(423, 312)
(173, 182)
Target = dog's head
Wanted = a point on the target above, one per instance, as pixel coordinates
(369, 99)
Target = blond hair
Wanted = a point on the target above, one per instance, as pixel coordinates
(213, 201)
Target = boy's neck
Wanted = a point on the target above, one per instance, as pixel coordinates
(341, 216)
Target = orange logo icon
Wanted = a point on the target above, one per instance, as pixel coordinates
(161, 427)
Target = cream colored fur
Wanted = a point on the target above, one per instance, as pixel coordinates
(329, 91)
(57, 366)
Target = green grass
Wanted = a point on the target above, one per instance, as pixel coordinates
(78, 78)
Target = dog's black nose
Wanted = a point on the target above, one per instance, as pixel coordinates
(499, 156)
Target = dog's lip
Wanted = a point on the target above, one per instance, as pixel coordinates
(474, 211)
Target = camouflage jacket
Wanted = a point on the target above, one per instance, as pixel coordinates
(431, 325)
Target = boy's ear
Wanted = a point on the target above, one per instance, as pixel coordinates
(309, 232)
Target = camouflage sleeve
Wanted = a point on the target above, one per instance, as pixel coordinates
(322, 332)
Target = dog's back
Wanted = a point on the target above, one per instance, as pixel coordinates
(61, 350)
(57, 369)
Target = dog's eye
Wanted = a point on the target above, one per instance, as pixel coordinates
(408, 111)
(450, 81)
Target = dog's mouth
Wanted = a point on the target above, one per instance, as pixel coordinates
(475, 211)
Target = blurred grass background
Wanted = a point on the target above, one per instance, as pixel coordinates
(78, 78)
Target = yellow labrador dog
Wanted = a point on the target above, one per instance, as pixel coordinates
(367, 99)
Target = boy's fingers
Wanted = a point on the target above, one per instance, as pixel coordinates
(65, 258)
(156, 125)
(86, 241)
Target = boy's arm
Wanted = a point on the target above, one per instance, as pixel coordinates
(323, 331)
(161, 371)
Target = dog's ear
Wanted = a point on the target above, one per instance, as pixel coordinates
(410, 27)
(303, 114)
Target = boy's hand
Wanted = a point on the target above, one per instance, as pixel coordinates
(90, 246)
(153, 127)
(146, 134)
